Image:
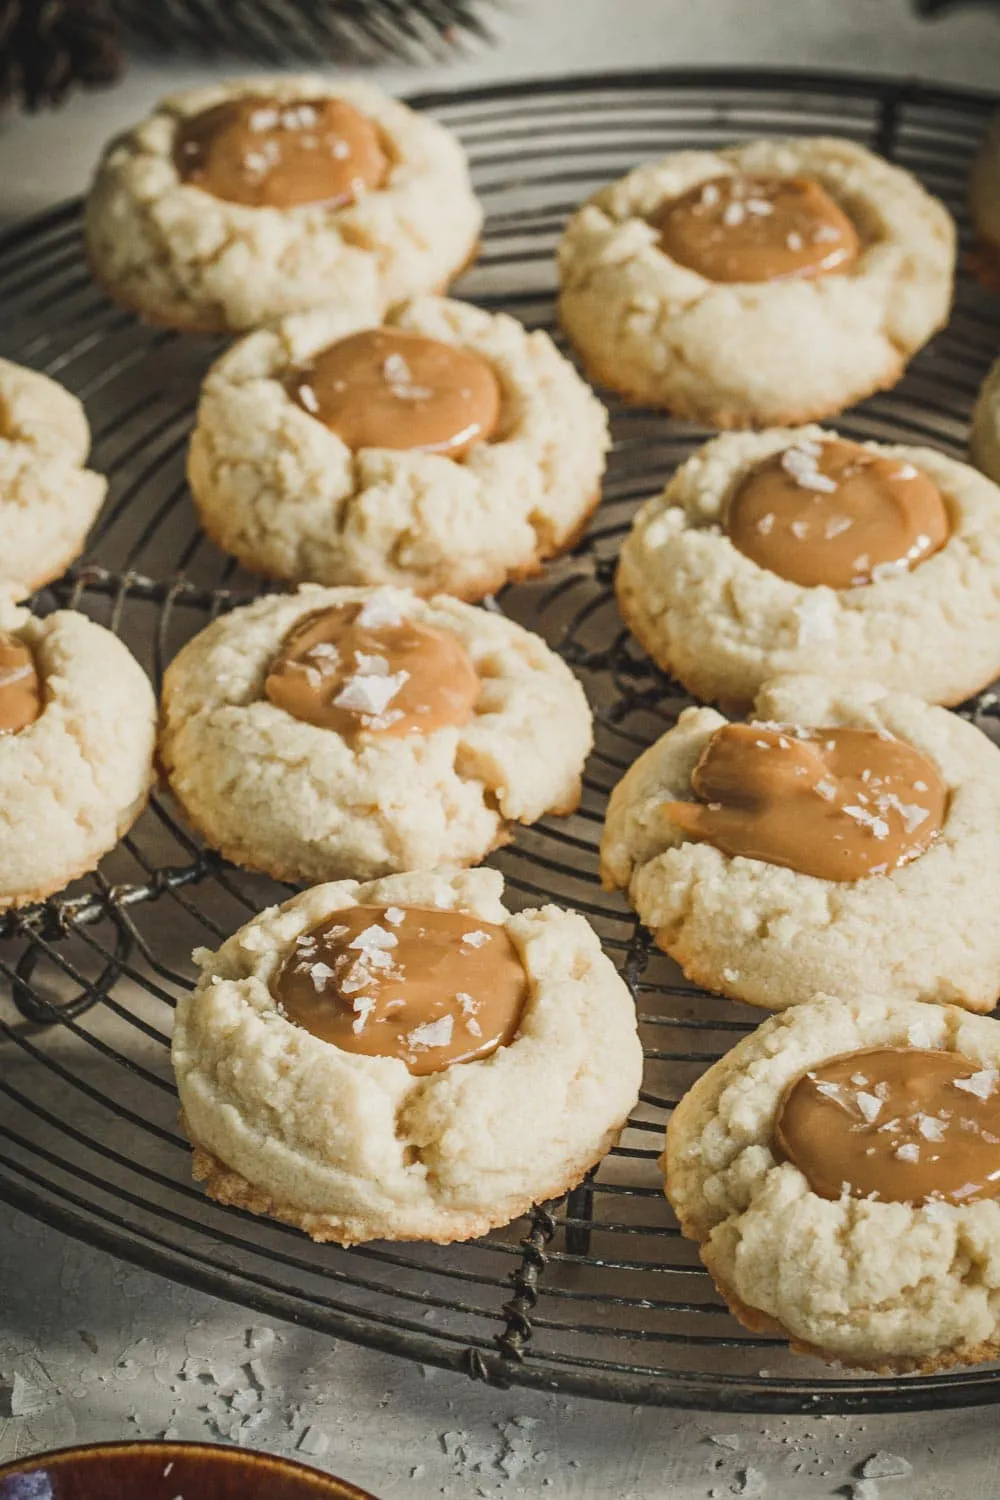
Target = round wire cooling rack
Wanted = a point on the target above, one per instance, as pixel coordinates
(596, 1294)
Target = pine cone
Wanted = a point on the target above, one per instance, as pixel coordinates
(47, 46)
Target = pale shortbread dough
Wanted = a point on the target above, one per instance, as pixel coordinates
(304, 803)
(774, 937)
(350, 1147)
(763, 353)
(723, 625)
(883, 1285)
(182, 257)
(287, 497)
(984, 438)
(48, 499)
(77, 778)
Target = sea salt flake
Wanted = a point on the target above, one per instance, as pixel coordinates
(475, 939)
(793, 241)
(766, 524)
(905, 471)
(869, 1105)
(759, 207)
(799, 530)
(884, 570)
(826, 788)
(930, 1128)
(710, 194)
(394, 915)
(909, 1151)
(886, 1466)
(379, 611)
(308, 397)
(733, 215)
(320, 974)
(374, 937)
(981, 1084)
(15, 674)
(432, 1033)
(370, 695)
(836, 526)
(369, 665)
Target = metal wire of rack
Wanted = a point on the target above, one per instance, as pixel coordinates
(597, 1294)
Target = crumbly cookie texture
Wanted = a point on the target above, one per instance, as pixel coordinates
(722, 625)
(351, 1147)
(48, 499)
(984, 205)
(303, 803)
(984, 438)
(184, 258)
(887, 1286)
(77, 778)
(774, 937)
(756, 354)
(287, 497)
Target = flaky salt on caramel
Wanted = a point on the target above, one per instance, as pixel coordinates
(391, 388)
(900, 1124)
(840, 804)
(835, 513)
(366, 668)
(751, 229)
(430, 987)
(270, 153)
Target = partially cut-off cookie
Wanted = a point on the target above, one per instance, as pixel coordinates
(77, 732)
(803, 551)
(840, 1171)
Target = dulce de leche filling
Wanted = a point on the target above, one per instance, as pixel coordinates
(364, 667)
(836, 803)
(269, 153)
(428, 986)
(838, 514)
(20, 686)
(390, 388)
(903, 1124)
(749, 228)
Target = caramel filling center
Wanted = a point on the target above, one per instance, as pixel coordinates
(364, 667)
(836, 803)
(269, 153)
(835, 513)
(20, 686)
(747, 228)
(430, 987)
(904, 1124)
(389, 388)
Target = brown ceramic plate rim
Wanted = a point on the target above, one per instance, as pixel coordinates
(337, 1489)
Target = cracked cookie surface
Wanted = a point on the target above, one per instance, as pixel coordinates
(305, 803)
(351, 1147)
(185, 258)
(772, 936)
(723, 625)
(74, 780)
(756, 354)
(890, 1286)
(284, 494)
(48, 499)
